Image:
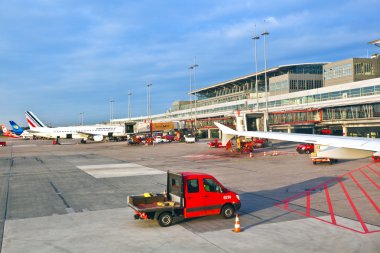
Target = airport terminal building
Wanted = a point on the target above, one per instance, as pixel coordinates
(342, 97)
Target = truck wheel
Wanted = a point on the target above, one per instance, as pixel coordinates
(314, 162)
(307, 151)
(228, 211)
(331, 162)
(165, 219)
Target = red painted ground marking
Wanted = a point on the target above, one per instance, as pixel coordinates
(330, 205)
(353, 207)
(370, 179)
(286, 203)
(377, 173)
(308, 203)
(325, 221)
(352, 171)
(365, 193)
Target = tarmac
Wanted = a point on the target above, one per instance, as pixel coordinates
(73, 198)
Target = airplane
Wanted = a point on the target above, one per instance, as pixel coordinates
(8, 133)
(16, 128)
(94, 132)
(334, 147)
(19, 130)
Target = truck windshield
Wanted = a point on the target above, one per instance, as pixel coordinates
(210, 185)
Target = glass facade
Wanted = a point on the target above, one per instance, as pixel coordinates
(250, 104)
(248, 84)
(364, 68)
(338, 71)
(367, 111)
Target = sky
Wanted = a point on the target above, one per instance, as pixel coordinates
(61, 58)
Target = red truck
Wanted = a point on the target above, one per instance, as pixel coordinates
(187, 195)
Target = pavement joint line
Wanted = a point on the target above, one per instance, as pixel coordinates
(5, 215)
(200, 236)
(60, 196)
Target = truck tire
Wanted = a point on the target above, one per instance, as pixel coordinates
(307, 151)
(227, 211)
(165, 219)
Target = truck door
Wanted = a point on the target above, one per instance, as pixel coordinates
(194, 199)
(213, 196)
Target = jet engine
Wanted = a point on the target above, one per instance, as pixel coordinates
(98, 137)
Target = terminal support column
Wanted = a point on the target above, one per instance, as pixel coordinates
(344, 128)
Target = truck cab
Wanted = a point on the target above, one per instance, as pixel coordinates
(204, 195)
(189, 195)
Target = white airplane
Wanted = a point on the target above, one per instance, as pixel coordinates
(94, 132)
(334, 147)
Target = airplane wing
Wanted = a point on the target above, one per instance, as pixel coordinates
(353, 147)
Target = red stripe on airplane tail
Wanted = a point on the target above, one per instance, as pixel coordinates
(30, 123)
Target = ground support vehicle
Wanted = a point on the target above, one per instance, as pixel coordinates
(169, 138)
(215, 144)
(187, 195)
(316, 159)
(376, 159)
(159, 139)
(306, 148)
(189, 138)
(3, 143)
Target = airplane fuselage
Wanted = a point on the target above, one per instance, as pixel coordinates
(80, 132)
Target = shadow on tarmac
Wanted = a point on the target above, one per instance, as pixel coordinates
(259, 208)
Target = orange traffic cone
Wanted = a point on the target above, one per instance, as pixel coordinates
(237, 224)
(265, 153)
(250, 155)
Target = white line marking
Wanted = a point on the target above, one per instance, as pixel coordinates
(24, 146)
(118, 170)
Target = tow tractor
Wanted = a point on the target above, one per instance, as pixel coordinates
(187, 195)
(317, 159)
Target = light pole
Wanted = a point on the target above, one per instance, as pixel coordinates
(266, 115)
(190, 98)
(192, 69)
(255, 38)
(81, 117)
(148, 106)
(111, 109)
(129, 105)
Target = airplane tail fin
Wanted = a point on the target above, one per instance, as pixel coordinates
(5, 130)
(16, 128)
(33, 121)
(227, 133)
